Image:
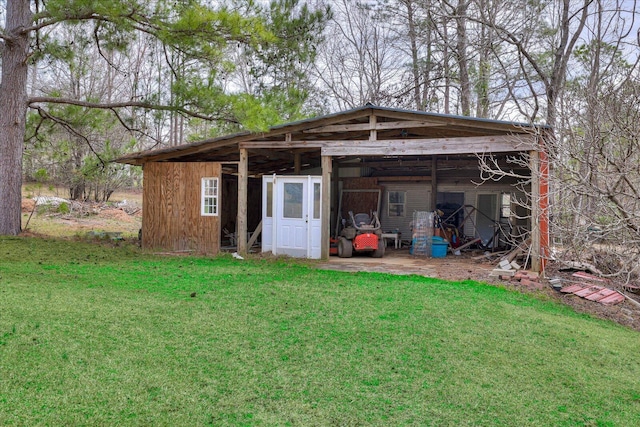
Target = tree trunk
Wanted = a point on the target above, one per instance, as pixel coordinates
(415, 66)
(461, 53)
(13, 107)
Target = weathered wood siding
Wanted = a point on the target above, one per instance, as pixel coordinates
(171, 208)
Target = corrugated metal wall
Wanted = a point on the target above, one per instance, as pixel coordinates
(417, 198)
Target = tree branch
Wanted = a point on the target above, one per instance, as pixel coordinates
(69, 128)
(124, 104)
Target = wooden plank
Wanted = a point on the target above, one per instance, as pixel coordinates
(325, 217)
(406, 147)
(266, 144)
(297, 163)
(360, 127)
(373, 133)
(434, 182)
(255, 235)
(466, 245)
(241, 222)
(429, 146)
(171, 208)
(458, 121)
(403, 178)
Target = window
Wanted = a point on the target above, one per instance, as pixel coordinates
(505, 209)
(292, 200)
(316, 200)
(269, 199)
(396, 203)
(209, 192)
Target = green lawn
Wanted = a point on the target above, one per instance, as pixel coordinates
(92, 335)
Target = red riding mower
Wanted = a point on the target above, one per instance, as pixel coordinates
(362, 234)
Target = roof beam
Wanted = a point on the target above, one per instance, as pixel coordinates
(464, 122)
(359, 127)
(432, 146)
(279, 145)
(408, 147)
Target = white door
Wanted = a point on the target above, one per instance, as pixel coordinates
(291, 215)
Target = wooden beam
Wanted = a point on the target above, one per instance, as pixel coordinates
(430, 146)
(407, 147)
(273, 154)
(335, 194)
(325, 217)
(281, 144)
(296, 163)
(434, 182)
(403, 178)
(243, 173)
(255, 235)
(373, 133)
(462, 122)
(443, 164)
(535, 211)
(361, 127)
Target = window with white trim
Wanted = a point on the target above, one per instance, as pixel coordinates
(209, 199)
(396, 203)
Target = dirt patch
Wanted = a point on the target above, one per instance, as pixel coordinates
(117, 214)
(28, 205)
(82, 218)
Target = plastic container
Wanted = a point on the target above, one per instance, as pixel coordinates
(439, 247)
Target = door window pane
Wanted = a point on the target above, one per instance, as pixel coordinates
(269, 199)
(292, 200)
(316, 200)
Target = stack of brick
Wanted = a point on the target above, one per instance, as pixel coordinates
(530, 279)
(512, 271)
(505, 269)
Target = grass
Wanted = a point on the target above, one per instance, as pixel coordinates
(96, 335)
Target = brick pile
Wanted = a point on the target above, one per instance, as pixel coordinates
(511, 271)
(584, 287)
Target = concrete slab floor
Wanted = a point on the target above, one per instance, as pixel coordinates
(399, 261)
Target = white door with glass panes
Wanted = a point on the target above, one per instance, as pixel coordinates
(291, 215)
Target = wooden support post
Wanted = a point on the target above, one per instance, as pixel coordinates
(243, 177)
(434, 182)
(325, 217)
(335, 196)
(544, 208)
(373, 133)
(534, 160)
(296, 164)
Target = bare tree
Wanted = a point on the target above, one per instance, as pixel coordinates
(357, 64)
(595, 179)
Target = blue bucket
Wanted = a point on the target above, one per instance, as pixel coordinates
(439, 247)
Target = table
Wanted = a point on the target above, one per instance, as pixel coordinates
(395, 236)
